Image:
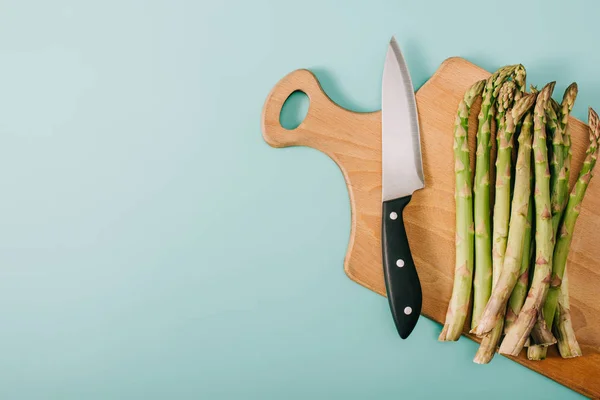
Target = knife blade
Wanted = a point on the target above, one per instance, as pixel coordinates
(402, 175)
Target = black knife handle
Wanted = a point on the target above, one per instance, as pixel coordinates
(401, 279)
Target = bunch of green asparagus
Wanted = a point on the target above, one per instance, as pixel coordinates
(511, 251)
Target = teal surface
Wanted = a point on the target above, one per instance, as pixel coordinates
(154, 247)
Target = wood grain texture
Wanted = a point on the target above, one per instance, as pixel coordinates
(353, 141)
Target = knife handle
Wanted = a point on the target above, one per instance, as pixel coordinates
(401, 279)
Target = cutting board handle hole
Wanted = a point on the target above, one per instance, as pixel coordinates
(294, 110)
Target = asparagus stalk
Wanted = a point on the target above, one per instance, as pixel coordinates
(517, 297)
(518, 220)
(504, 138)
(463, 275)
(540, 333)
(568, 156)
(550, 133)
(518, 333)
(563, 327)
(559, 185)
(520, 77)
(506, 130)
(482, 283)
(571, 214)
(557, 160)
(561, 162)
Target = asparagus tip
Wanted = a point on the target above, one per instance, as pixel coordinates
(550, 87)
(592, 117)
(571, 91)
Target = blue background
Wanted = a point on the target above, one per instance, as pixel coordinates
(153, 246)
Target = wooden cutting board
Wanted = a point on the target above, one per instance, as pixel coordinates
(353, 141)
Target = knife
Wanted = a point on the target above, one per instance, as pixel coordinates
(402, 175)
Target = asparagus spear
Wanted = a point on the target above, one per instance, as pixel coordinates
(561, 161)
(552, 125)
(563, 327)
(517, 297)
(559, 185)
(567, 104)
(463, 275)
(540, 333)
(519, 78)
(557, 159)
(518, 220)
(503, 178)
(568, 156)
(571, 214)
(482, 283)
(505, 139)
(519, 332)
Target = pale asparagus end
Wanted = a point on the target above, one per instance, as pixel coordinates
(541, 333)
(568, 346)
(543, 338)
(489, 344)
(536, 352)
